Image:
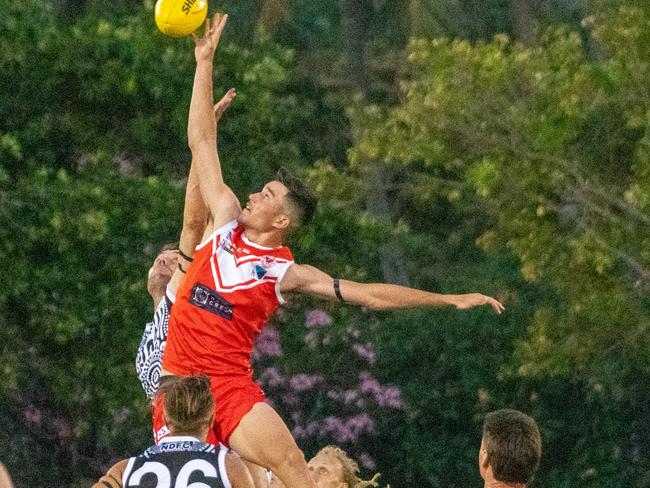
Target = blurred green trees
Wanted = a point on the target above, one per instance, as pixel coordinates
(459, 160)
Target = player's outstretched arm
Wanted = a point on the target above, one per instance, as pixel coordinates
(221, 202)
(309, 280)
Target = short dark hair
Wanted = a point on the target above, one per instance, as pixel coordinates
(299, 195)
(188, 404)
(513, 444)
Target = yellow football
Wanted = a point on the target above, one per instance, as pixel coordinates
(179, 18)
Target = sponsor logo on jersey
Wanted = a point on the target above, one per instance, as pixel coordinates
(227, 245)
(208, 299)
(179, 446)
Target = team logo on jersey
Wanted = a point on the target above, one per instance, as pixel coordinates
(267, 261)
(259, 272)
(208, 299)
(162, 432)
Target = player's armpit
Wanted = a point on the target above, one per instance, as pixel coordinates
(113, 478)
(237, 472)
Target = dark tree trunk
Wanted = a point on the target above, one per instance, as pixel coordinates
(355, 23)
(356, 16)
(71, 9)
(523, 14)
(382, 203)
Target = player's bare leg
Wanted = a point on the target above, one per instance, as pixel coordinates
(262, 438)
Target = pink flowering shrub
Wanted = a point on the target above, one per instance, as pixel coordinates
(324, 388)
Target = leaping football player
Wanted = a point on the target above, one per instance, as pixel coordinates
(240, 275)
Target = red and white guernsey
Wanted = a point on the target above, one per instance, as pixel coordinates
(230, 291)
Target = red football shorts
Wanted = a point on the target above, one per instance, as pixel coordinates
(234, 397)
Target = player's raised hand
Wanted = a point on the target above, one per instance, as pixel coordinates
(206, 46)
(221, 106)
(471, 300)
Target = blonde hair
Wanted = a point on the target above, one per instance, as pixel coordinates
(349, 467)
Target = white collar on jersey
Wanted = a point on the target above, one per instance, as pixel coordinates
(252, 244)
(178, 438)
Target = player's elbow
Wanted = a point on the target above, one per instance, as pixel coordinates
(376, 303)
(379, 305)
(195, 219)
(197, 141)
(194, 227)
(198, 138)
(381, 300)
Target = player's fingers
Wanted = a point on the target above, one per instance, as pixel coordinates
(218, 19)
(221, 24)
(226, 99)
(496, 305)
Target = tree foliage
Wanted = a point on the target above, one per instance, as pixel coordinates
(517, 170)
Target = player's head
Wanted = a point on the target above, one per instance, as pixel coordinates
(162, 269)
(511, 447)
(332, 468)
(188, 406)
(284, 204)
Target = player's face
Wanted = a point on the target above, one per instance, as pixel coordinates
(326, 471)
(265, 208)
(161, 271)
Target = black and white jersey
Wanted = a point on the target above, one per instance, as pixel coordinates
(178, 462)
(148, 360)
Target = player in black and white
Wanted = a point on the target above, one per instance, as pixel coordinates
(182, 459)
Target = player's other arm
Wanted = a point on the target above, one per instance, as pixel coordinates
(221, 202)
(195, 220)
(113, 478)
(238, 473)
(376, 296)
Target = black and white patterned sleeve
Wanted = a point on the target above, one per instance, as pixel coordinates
(148, 360)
